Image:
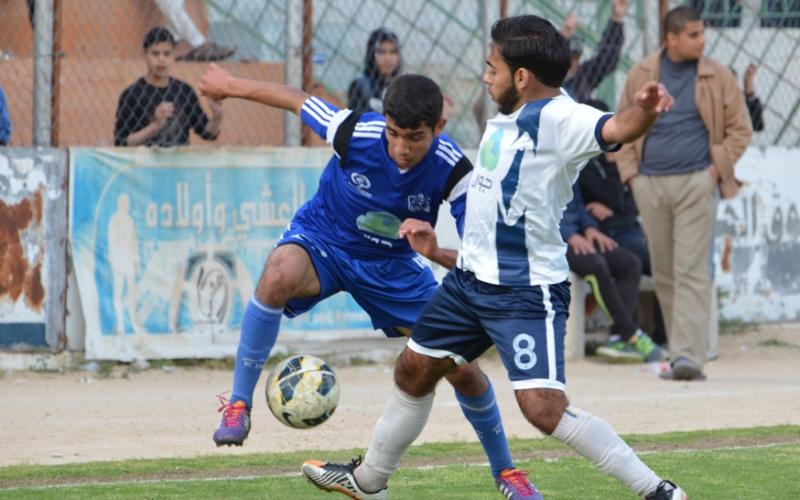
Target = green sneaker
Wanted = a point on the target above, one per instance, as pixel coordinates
(649, 350)
(620, 351)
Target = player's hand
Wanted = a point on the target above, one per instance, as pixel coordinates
(653, 97)
(163, 113)
(580, 245)
(215, 83)
(599, 240)
(599, 211)
(570, 26)
(215, 106)
(420, 236)
(618, 9)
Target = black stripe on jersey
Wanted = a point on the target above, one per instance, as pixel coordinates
(341, 141)
(462, 169)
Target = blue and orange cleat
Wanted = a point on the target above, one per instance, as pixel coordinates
(235, 425)
(515, 485)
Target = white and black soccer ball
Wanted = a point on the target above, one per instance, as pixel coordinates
(302, 392)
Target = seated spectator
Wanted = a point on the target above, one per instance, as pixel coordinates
(5, 120)
(611, 203)
(584, 77)
(200, 49)
(614, 274)
(158, 110)
(382, 62)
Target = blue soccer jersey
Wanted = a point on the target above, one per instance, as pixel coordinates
(363, 196)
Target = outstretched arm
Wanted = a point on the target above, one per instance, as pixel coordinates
(630, 124)
(218, 84)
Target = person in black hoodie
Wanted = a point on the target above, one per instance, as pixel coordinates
(610, 202)
(382, 62)
(614, 274)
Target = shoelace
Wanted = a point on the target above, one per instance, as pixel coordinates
(232, 411)
(519, 480)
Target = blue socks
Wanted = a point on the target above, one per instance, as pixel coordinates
(259, 330)
(484, 415)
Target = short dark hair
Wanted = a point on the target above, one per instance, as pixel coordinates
(158, 35)
(412, 100)
(676, 19)
(533, 43)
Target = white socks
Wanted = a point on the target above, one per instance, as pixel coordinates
(402, 421)
(594, 438)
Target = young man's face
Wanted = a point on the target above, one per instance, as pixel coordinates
(499, 82)
(160, 57)
(408, 146)
(688, 45)
(387, 58)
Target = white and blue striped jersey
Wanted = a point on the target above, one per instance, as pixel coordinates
(363, 196)
(527, 163)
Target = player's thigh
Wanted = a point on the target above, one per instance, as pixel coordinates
(449, 326)
(529, 334)
(288, 273)
(393, 292)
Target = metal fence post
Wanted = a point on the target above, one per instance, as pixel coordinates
(43, 73)
(293, 65)
(491, 11)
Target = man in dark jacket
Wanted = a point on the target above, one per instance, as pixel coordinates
(614, 275)
(584, 77)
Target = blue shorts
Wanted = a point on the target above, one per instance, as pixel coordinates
(392, 291)
(527, 324)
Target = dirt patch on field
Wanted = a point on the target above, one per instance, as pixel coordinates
(70, 417)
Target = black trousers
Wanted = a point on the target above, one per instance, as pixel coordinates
(618, 273)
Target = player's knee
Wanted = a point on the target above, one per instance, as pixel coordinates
(543, 407)
(468, 379)
(275, 286)
(416, 374)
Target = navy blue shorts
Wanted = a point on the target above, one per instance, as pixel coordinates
(527, 324)
(392, 291)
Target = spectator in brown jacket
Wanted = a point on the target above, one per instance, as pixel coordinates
(675, 172)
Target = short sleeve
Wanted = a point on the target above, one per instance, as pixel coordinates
(125, 121)
(323, 117)
(580, 133)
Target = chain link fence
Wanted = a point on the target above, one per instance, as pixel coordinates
(321, 46)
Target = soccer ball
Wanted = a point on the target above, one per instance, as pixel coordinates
(302, 392)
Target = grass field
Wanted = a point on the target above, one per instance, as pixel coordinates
(757, 463)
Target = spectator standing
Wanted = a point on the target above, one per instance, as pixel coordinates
(382, 62)
(614, 274)
(584, 77)
(5, 119)
(158, 110)
(689, 153)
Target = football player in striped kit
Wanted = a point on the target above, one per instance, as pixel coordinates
(509, 287)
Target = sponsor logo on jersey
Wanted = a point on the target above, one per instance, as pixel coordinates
(361, 183)
(419, 203)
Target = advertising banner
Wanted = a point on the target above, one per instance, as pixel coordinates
(169, 245)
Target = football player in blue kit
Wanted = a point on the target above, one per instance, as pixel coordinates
(509, 286)
(383, 185)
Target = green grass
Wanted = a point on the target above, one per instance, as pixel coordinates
(757, 463)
